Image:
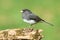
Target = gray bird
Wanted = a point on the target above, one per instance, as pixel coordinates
(31, 18)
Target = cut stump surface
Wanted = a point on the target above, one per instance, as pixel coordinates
(21, 34)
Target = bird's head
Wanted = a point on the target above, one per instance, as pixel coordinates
(25, 10)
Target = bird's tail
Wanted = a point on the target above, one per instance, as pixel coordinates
(48, 23)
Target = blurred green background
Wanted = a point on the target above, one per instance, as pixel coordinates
(49, 10)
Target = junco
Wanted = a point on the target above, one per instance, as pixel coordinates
(31, 18)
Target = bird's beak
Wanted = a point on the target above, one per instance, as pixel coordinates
(21, 11)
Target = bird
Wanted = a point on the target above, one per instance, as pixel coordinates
(29, 17)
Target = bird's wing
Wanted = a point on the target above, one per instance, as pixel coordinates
(34, 17)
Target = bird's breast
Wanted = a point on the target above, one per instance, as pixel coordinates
(29, 21)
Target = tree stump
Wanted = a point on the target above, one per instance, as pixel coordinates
(21, 34)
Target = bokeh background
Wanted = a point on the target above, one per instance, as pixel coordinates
(49, 10)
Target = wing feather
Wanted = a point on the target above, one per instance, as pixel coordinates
(34, 17)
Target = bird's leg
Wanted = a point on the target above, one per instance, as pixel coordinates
(32, 26)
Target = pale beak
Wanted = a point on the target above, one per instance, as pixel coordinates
(21, 11)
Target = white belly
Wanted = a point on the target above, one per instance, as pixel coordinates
(29, 21)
